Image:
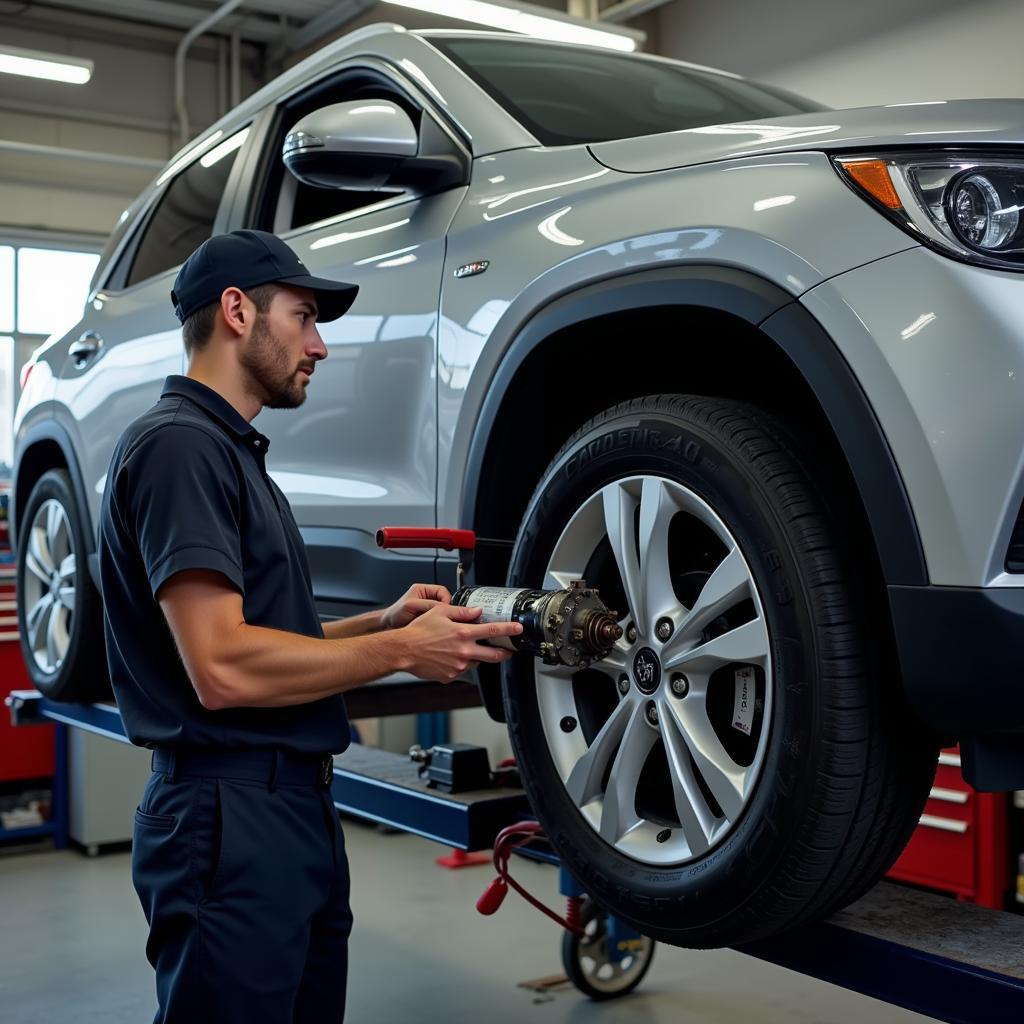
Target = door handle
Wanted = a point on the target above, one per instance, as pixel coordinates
(86, 348)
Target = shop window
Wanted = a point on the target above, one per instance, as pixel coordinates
(52, 288)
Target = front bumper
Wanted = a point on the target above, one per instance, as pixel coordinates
(961, 653)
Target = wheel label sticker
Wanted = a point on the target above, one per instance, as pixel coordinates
(743, 703)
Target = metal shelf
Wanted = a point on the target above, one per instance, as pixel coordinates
(10, 835)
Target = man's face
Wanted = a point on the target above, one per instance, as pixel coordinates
(283, 349)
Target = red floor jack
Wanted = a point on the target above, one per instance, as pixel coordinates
(602, 956)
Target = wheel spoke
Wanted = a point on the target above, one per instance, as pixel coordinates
(586, 777)
(34, 566)
(747, 643)
(51, 638)
(66, 569)
(695, 817)
(60, 631)
(39, 548)
(726, 779)
(618, 815)
(67, 597)
(616, 660)
(619, 509)
(35, 616)
(729, 584)
(656, 511)
(559, 579)
(53, 522)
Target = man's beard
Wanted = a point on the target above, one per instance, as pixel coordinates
(273, 380)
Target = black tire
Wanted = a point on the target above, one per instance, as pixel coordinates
(845, 771)
(81, 675)
(588, 965)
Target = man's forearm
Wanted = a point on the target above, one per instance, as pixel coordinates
(262, 667)
(354, 625)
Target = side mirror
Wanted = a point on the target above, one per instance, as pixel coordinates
(372, 145)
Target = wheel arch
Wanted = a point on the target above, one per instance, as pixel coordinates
(44, 447)
(565, 364)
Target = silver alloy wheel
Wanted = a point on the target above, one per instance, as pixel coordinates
(49, 585)
(603, 778)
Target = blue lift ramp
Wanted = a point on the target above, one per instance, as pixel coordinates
(932, 954)
(951, 961)
(376, 785)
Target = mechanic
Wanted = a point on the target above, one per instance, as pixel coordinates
(219, 661)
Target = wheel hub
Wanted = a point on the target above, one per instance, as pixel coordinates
(646, 670)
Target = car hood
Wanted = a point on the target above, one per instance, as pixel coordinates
(939, 123)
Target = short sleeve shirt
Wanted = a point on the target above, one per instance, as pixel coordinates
(188, 488)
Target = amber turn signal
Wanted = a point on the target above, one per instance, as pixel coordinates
(873, 177)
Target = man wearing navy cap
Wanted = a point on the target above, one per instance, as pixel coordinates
(221, 665)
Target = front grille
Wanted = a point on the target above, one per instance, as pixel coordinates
(1015, 552)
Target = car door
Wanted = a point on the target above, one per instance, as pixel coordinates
(129, 339)
(361, 452)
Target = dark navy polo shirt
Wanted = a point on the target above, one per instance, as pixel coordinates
(187, 488)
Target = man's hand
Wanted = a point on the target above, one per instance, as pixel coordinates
(419, 598)
(443, 643)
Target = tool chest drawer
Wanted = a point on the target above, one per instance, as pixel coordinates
(960, 844)
(24, 753)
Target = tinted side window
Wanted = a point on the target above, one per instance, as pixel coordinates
(184, 217)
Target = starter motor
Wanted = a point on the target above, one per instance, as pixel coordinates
(562, 627)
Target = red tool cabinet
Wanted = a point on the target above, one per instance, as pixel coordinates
(961, 845)
(24, 753)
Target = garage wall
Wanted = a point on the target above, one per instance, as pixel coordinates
(127, 109)
(872, 51)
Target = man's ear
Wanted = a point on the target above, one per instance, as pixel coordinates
(237, 310)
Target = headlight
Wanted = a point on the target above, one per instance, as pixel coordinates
(968, 206)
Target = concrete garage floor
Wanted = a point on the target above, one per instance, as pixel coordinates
(72, 937)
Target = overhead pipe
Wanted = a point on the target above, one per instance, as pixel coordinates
(179, 63)
(65, 153)
(236, 68)
(627, 9)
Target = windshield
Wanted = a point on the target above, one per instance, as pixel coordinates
(566, 95)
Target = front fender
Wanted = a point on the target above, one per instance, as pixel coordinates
(785, 323)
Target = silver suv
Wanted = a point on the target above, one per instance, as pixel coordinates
(751, 367)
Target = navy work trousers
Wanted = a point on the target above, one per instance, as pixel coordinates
(243, 878)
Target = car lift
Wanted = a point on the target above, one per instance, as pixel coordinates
(952, 961)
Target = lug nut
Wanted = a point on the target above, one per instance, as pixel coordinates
(652, 714)
(623, 685)
(631, 633)
(568, 724)
(679, 685)
(664, 835)
(664, 629)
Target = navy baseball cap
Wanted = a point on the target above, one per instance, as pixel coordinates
(246, 259)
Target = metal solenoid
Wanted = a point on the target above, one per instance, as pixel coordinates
(562, 627)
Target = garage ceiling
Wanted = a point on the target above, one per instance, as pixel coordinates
(292, 26)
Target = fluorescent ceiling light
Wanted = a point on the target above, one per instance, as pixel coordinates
(527, 20)
(53, 66)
